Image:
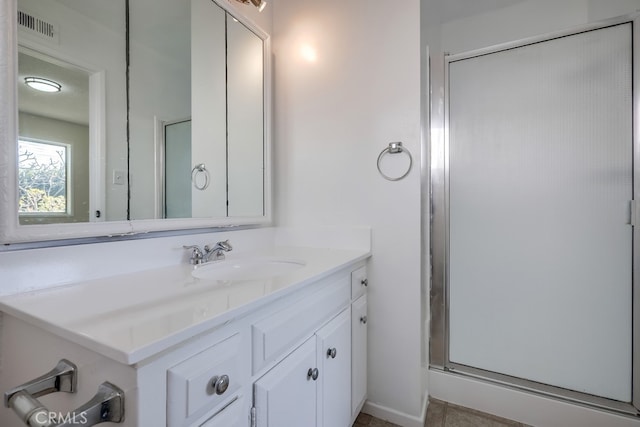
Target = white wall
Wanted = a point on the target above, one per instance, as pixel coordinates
(347, 82)
(522, 20)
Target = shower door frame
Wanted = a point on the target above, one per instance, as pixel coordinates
(439, 238)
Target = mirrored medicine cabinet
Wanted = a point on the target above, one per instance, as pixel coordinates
(132, 116)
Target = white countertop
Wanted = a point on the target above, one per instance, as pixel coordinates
(134, 316)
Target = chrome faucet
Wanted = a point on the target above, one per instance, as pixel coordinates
(215, 253)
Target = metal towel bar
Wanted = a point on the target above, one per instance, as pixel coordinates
(197, 169)
(106, 405)
(394, 148)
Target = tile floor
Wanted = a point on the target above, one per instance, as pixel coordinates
(442, 414)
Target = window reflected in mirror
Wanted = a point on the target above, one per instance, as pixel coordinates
(43, 178)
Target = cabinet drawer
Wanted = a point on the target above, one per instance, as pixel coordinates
(359, 282)
(273, 336)
(190, 388)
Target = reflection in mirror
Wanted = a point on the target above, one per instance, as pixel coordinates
(245, 109)
(159, 99)
(196, 112)
(53, 144)
(63, 155)
(177, 184)
(208, 100)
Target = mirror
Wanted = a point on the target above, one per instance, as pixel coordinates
(163, 127)
(196, 117)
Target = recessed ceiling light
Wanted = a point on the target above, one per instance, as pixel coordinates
(43, 85)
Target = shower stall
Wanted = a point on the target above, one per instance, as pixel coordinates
(534, 203)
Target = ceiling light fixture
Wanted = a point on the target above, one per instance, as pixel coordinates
(43, 85)
(260, 4)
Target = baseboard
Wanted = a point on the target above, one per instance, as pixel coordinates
(518, 405)
(396, 417)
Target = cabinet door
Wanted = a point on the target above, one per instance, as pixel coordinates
(333, 343)
(286, 395)
(229, 416)
(358, 354)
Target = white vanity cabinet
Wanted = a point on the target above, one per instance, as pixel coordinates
(295, 358)
(323, 382)
(312, 385)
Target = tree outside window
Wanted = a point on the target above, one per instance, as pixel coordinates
(42, 177)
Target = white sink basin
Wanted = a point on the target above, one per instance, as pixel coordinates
(247, 268)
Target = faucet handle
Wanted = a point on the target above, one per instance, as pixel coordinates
(196, 254)
(219, 246)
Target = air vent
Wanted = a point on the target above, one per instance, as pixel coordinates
(34, 25)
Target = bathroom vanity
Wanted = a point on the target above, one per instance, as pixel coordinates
(209, 345)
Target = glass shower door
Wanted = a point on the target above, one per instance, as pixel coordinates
(539, 180)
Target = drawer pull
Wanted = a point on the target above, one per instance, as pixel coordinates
(313, 374)
(218, 384)
(363, 320)
(332, 352)
(364, 282)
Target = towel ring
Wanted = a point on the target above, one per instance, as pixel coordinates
(395, 148)
(200, 168)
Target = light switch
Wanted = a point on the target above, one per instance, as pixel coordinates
(118, 177)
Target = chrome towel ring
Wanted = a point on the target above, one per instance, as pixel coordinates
(395, 148)
(197, 169)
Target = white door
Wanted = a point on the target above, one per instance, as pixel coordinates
(540, 169)
(286, 395)
(333, 343)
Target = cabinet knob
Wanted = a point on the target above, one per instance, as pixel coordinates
(364, 282)
(313, 374)
(218, 384)
(363, 320)
(332, 352)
